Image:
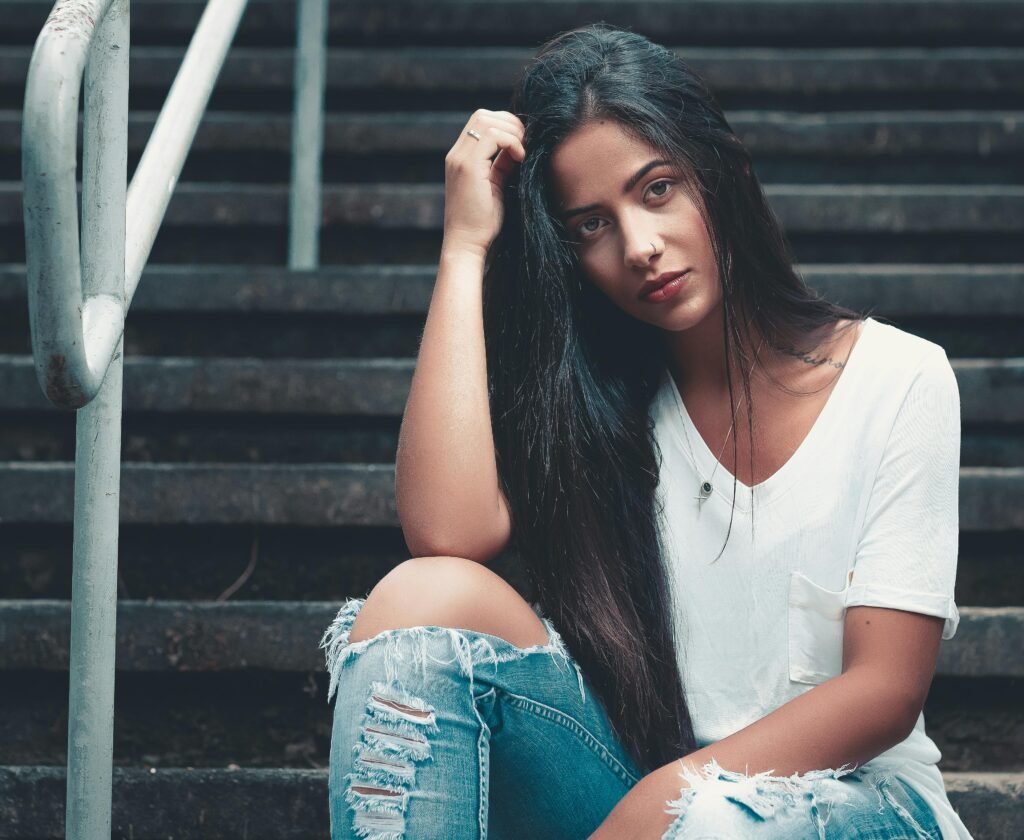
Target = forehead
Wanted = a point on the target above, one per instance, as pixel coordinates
(599, 156)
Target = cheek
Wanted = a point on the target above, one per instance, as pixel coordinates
(598, 277)
(596, 263)
(603, 275)
(591, 269)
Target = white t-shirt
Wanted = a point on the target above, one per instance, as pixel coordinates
(864, 512)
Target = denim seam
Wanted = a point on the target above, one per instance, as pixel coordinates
(573, 725)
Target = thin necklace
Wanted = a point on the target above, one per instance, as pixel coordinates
(706, 488)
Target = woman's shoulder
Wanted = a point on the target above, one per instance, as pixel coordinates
(909, 377)
(894, 355)
(903, 347)
(880, 357)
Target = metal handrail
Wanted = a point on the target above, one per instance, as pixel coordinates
(79, 294)
(77, 316)
(307, 135)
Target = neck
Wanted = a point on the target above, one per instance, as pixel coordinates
(696, 356)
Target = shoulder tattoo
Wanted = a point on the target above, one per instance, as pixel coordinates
(808, 359)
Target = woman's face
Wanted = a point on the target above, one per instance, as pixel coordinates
(616, 233)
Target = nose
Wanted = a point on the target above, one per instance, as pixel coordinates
(639, 246)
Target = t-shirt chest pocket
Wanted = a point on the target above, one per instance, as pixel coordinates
(816, 617)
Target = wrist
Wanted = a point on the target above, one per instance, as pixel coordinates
(455, 252)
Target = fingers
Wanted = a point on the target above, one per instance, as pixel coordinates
(508, 140)
(508, 116)
(497, 130)
(502, 116)
(513, 153)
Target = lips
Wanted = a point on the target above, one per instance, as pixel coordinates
(652, 285)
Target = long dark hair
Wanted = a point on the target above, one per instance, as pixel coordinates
(571, 376)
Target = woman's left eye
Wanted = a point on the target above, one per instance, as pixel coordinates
(660, 184)
(584, 231)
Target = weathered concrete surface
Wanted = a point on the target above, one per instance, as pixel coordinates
(920, 291)
(179, 803)
(991, 390)
(870, 135)
(283, 636)
(813, 22)
(282, 804)
(729, 70)
(883, 208)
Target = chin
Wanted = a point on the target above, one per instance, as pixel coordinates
(685, 319)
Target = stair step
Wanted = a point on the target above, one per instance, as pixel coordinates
(283, 562)
(991, 498)
(905, 208)
(730, 71)
(813, 22)
(212, 310)
(328, 336)
(868, 147)
(867, 134)
(284, 635)
(991, 390)
(200, 562)
(295, 562)
(245, 223)
(258, 804)
(959, 290)
(278, 804)
(327, 387)
(304, 439)
(292, 494)
(282, 719)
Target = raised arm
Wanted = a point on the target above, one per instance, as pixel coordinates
(446, 479)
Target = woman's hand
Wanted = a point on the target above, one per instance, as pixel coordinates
(474, 179)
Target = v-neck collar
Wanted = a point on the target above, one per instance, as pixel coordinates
(782, 477)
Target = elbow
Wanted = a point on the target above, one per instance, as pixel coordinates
(464, 536)
(905, 710)
(481, 548)
(891, 708)
(912, 714)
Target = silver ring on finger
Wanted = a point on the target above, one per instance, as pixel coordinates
(472, 133)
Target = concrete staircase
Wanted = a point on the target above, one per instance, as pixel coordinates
(262, 406)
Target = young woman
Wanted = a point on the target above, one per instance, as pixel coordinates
(617, 318)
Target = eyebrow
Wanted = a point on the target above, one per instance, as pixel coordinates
(632, 182)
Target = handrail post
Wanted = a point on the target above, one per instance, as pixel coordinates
(78, 298)
(307, 135)
(98, 440)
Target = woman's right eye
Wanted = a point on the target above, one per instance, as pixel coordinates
(582, 232)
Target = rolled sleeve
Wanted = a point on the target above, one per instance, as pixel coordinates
(907, 553)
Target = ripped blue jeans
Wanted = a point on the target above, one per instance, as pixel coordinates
(452, 733)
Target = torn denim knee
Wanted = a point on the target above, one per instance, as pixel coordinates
(766, 797)
(471, 649)
(394, 736)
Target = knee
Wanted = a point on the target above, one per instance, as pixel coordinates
(448, 592)
(419, 569)
(449, 578)
(724, 804)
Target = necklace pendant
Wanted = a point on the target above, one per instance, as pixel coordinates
(705, 493)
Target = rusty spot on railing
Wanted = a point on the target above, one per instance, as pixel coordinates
(57, 389)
